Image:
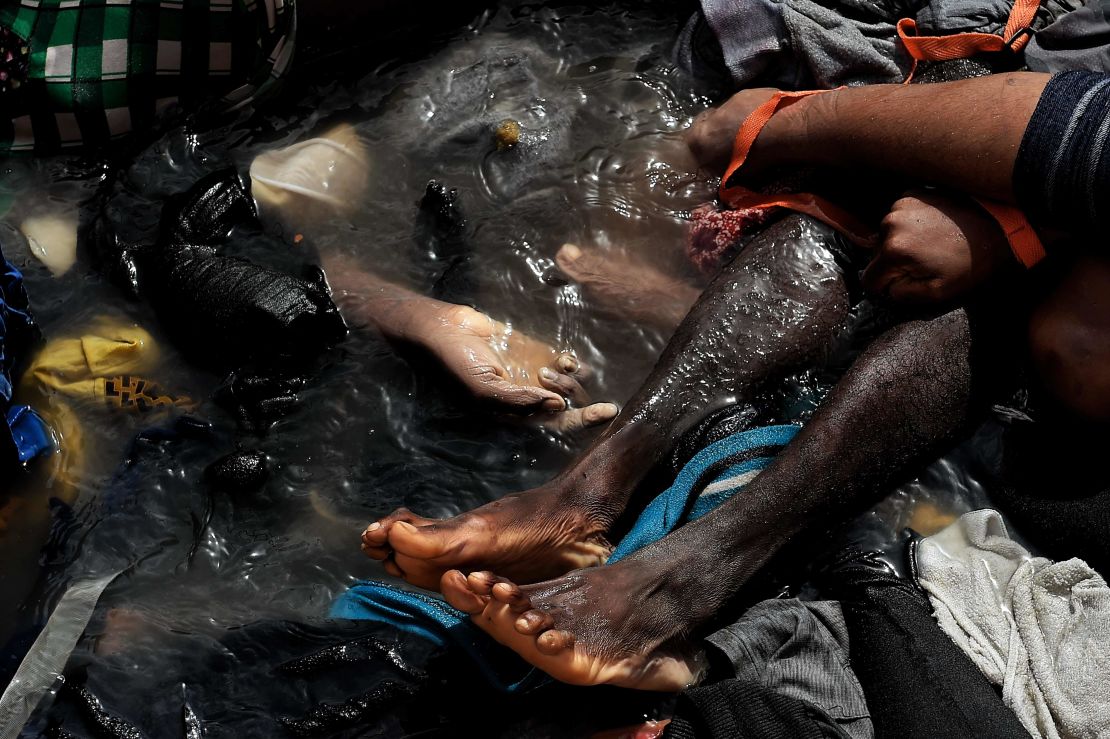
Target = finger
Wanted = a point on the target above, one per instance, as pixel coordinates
(567, 362)
(882, 271)
(520, 397)
(564, 384)
(577, 419)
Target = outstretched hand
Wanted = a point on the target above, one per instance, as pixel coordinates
(510, 370)
(936, 249)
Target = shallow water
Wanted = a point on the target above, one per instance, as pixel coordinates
(597, 98)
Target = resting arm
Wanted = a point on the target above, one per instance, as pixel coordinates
(975, 125)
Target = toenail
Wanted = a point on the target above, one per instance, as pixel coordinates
(546, 374)
(373, 527)
(572, 251)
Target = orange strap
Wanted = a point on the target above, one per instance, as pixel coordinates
(737, 196)
(964, 45)
(1024, 242)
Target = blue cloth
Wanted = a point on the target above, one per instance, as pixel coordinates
(730, 459)
(26, 432)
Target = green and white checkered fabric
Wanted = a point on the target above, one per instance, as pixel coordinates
(99, 69)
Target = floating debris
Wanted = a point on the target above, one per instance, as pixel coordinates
(104, 724)
(328, 718)
(507, 134)
(365, 649)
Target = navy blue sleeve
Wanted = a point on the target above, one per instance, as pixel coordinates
(1062, 171)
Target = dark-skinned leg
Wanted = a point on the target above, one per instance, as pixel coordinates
(903, 401)
(775, 308)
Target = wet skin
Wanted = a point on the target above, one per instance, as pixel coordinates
(497, 364)
(627, 288)
(774, 309)
(904, 400)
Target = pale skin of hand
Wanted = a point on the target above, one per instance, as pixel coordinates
(497, 364)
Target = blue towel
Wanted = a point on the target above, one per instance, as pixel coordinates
(717, 472)
(27, 433)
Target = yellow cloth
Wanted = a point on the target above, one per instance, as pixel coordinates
(102, 368)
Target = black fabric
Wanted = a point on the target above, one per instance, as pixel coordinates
(742, 709)
(1054, 488)
(917, 681)
(222, 310)
(1062, 171)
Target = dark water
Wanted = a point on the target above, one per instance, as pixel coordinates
(225, 585)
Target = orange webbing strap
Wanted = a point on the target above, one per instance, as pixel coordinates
(737, 196)
(1024, 242)
(964, 45)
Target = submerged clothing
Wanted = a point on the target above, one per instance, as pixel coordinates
(24, 434)
(1037, 628)
(97, 70)
(1062, 170)
(798, 649)
(223, 310)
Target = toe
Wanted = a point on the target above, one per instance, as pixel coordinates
(378, 553)
(512, 596)
(425, 542)
(567, 257)
(533, 622)
(482, 583)
(391, 567)
(454, 587)
(375, 535)
(553, 641)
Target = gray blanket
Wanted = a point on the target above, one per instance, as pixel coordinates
(798, 44)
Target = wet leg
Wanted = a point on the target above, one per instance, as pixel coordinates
(906, 398)
(773, 309)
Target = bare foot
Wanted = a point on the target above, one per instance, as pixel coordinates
(610, 625)
(629, 288)
(532, 536)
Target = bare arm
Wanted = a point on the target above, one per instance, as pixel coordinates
(964, 134)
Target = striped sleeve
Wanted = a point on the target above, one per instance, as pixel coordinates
(1062, 171)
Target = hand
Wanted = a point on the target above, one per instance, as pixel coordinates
(713, 132)
(511, 370)
(936, 250)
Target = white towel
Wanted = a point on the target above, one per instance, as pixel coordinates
(1039, 629)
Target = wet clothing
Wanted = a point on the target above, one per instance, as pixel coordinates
(94, 71)
(1036, 628)
(23, 435)
(1062, 171)
(105, 368)
(224, 311)
(803, 44)
(710, 478)
(917, 681)
(745, 709)
(797, 649)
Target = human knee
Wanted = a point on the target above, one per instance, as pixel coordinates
(1069, 340)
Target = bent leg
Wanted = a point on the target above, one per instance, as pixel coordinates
(905, 399)
(773, 309)
(1068, 333)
